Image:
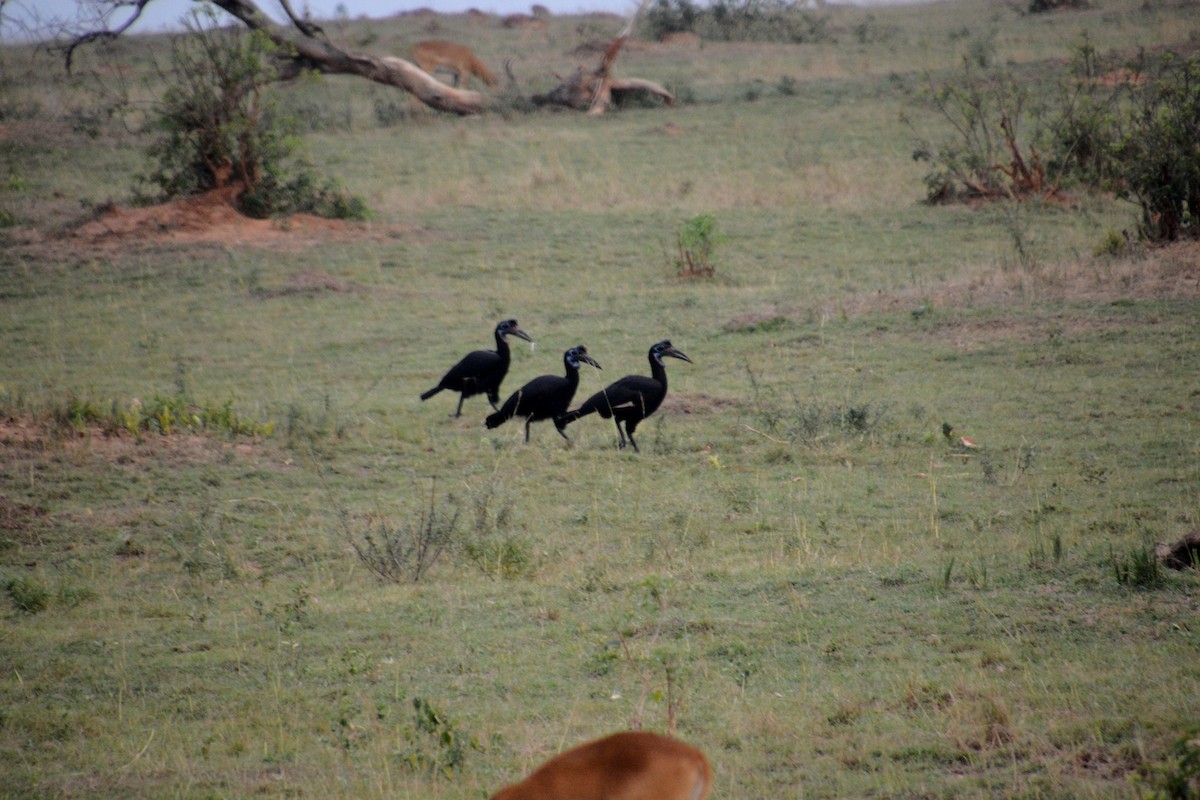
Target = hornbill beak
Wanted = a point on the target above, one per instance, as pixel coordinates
(673, 353)
(588, 359)
(520, 334)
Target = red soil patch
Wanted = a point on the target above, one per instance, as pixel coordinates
(1121, 77)
(209, 218)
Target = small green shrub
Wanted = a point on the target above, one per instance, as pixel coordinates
(405, 552)
(871, 31)
(29, 594)
(1137, 570)
(1042, 6)
(389, 112)
(164, 414)
(436, 746)
(809, 420)
(697, 241)
(492, 545)
(1179, 778)
(1112, 243)
(737, 21)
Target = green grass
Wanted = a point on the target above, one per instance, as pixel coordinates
(841, 600)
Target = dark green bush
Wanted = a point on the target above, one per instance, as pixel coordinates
(1179, 777)
(1042, 6)
(1159, 152)
(1132, 129)
(737, 21)
(28, 594)
(1081, 135)
(986, 110)
(217, 127)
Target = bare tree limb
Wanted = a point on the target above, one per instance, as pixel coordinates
(602, 89)
(307, 27)
(621, 86)
(109, 33)
(593, 91)
(306, 48)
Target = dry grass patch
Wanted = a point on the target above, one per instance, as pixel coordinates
(1168, 273)
(36, 438)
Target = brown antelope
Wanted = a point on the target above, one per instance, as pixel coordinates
(433, 54)
(633, 765)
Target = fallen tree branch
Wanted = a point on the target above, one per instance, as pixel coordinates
(593, 91)
(108, 33)
(305, 48)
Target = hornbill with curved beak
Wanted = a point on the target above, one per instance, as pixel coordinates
(632, 398)
(546, 396)
(481, 371)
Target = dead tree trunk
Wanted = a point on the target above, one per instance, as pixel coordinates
(308, 49)
(594, 91)
(313, 51)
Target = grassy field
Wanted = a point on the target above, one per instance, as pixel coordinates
(804, 571)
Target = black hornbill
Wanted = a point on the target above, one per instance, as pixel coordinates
(631, 399)
(546, 396)
(481, 371)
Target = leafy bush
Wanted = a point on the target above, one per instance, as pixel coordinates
(1042, 6)
(697, 241)
(1179, 778)
(671, 16)
(436, 746)
(28, 594)
(988, 156)
(1159, 152)
(491, 545)
(216, 127)
(737, 21)
(1130, 129)
(1082, 132)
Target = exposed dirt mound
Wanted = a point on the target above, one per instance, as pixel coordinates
(209, 218)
